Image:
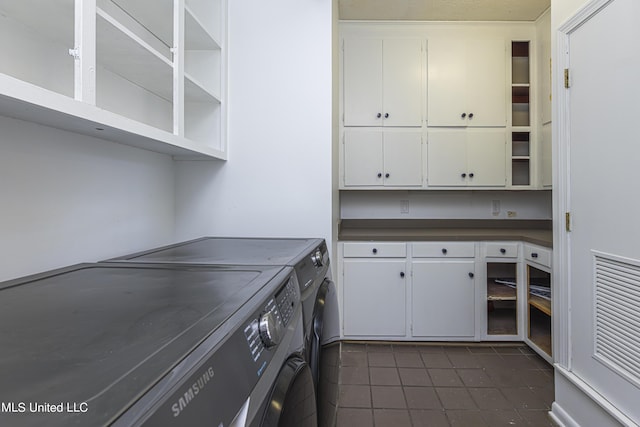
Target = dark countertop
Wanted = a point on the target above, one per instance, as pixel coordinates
(538, 232)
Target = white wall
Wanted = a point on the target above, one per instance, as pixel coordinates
(68, 198)
(277, 181)
(445, 204)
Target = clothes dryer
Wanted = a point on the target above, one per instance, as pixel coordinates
(128, 344)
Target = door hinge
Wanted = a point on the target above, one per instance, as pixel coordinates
(566, 78)
(567, 221)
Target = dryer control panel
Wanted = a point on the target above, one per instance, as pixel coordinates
(266, 330)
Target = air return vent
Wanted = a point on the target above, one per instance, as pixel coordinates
(617, 312)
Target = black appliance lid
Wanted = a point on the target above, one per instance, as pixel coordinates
(105, 333)
(232, 251)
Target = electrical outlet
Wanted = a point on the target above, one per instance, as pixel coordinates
(511, 214)
(404, 206)
(495, 207)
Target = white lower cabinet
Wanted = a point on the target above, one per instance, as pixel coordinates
(446, 291)
(375, 290)
(443, 298)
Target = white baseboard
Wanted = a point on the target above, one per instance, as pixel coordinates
(577, 404)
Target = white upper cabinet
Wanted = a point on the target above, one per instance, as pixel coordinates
(383, 82)
(466, 157)
(376, 157)
(147, 73)
(466, 82)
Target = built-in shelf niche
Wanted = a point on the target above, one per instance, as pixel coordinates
(520, 83)
(502, 299)
(520, 158)
(520, 114)
(539, 325)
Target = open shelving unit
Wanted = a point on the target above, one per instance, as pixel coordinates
(539, 309)
(109, 69)
(502, 299)
(520, 114)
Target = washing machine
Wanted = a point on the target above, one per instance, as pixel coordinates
(126, 344)
(310, 260)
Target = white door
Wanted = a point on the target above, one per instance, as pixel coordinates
(374, 298)
(486, 157)
(402, 158)
(446, 82)
(362, 80)
(443, 298)
(447, 157)
(486, 83)
(402, 82)
(602, 195)
(363, 163)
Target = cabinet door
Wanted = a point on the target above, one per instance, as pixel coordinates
(362, 82)
(402, 158)
(486, 83)
(402, 82)
(374, 297)
(486, 157)
(363, 164)
(443, 298)
(446, 82)
(447, 157)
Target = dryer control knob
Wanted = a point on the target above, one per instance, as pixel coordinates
(316, 258)
(270, 330)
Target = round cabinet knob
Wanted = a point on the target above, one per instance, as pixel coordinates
(379, 115)
(386, 175)
(375, 251)
(471, 115)
(471, 275)
(471, 175)
(402, 274)
(503, 251)
(464, 175)
(463, 115)
(379, 175)
(270, 330)
(386, 115)
(316, 258)
(444, 251)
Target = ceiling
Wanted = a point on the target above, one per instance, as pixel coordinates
(442, 10)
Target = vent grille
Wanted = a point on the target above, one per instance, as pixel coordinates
(617, 312)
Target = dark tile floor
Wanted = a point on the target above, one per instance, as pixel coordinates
(470, 385)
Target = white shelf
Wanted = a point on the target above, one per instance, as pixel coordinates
(197, 37)
(127, 87)
(156, 16)
(129, 56)
(28, 102)
(209, 15)
(195, 91)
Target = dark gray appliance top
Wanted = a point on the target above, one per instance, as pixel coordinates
(231, 251)
(105, 333)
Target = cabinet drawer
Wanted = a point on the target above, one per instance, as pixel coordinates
(538, 255)
(374, 250)
(501, 250)
(444, 250)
